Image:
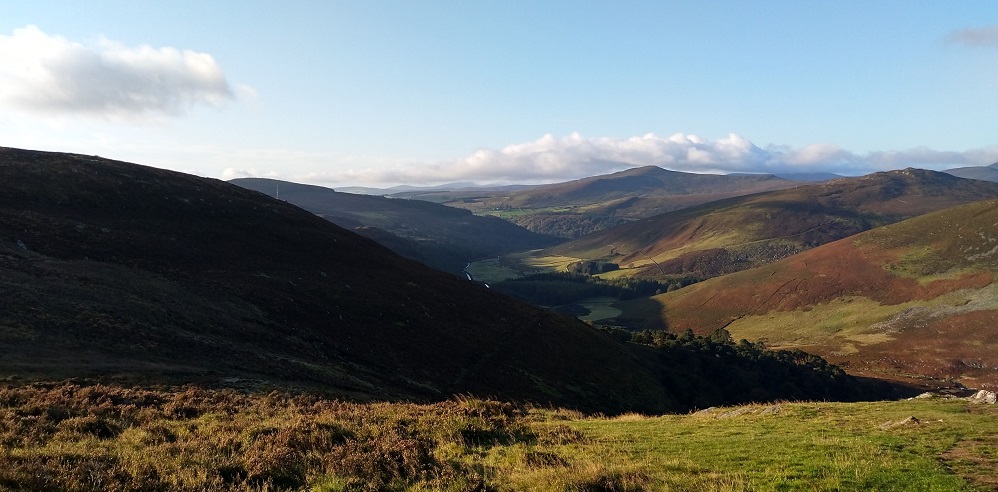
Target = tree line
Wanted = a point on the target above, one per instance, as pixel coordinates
(559, 288)
(714, 370)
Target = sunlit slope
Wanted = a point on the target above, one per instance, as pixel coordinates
(913, 298)
(739, 233)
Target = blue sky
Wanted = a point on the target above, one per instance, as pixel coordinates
(380, 93)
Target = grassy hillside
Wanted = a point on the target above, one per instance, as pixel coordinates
(76, 438)
(739, 233)
(912, 299)
(443, 237)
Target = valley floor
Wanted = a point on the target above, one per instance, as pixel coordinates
(64, 436)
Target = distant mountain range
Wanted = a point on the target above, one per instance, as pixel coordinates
(407, 191)
(443, 237)
(984, 173)
(639, 191)
(809, 176)
(577, 208)
(738, 233)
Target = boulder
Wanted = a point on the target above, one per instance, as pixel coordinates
(984, 396)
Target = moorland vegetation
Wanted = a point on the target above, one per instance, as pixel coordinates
(84, 437)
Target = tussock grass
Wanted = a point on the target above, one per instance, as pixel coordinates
(70, 437)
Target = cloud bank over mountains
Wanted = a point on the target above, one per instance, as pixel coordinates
(51, 75)
(552, 159)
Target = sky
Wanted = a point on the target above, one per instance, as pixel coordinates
(380, 93)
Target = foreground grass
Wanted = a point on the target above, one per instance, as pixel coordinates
(810, 446)
(71, 437)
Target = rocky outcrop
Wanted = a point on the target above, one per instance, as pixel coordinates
(984, 396)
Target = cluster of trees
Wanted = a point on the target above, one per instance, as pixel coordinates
(592, 267)
(556, 289)
(566, 225)
(714, 370)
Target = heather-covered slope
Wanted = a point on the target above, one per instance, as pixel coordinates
(912, 299)
(114, 270)
(443, 237)
(739, 233)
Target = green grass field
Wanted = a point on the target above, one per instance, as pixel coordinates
(600, 308)
(518, 265)
(69, 437)
(808, 446)
(491, 271)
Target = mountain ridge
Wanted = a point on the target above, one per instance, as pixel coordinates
(579, 207)
(740, 232)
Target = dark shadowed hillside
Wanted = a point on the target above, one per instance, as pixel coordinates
(115, 269)
(443, 237)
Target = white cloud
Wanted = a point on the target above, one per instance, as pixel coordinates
(52, 75)
(982, 36)
(551, 159)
